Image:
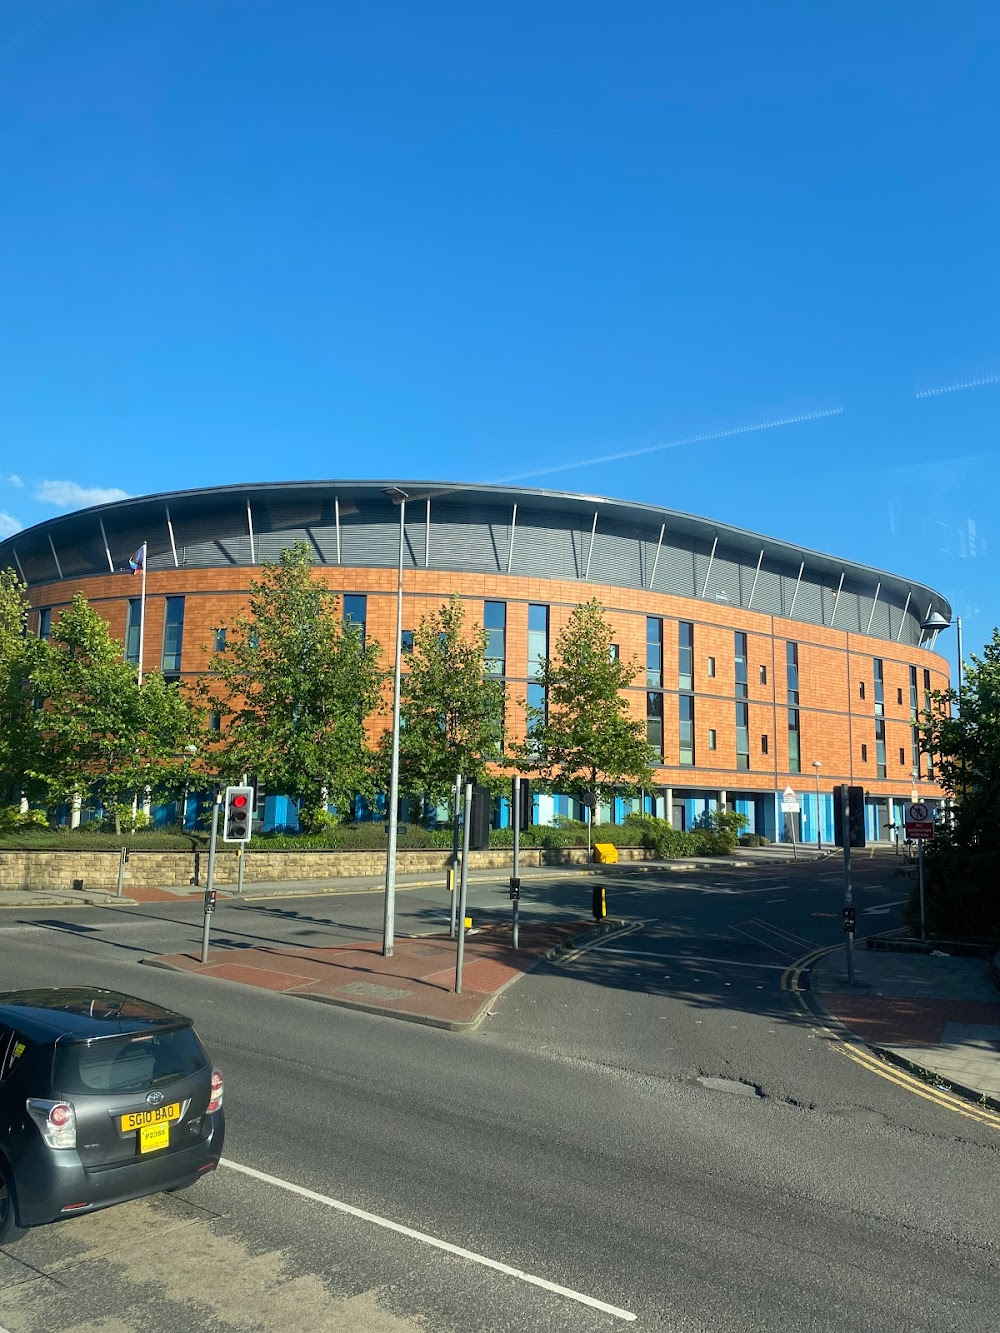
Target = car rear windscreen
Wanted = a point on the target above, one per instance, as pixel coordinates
(126, 1064)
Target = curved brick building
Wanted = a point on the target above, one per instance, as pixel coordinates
(762, 658)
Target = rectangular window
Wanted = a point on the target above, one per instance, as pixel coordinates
(495, 624)
(356, 612)
(899, 696)
(536, 706)
(741, 665)
(864, 754)
(902, 756)
(763, 674)
(710, 669)
(219, 640)
(654, 722)
(915, 749)
(685, 711)
(861, 689)
(173, 636)
(927, 680)
(792, 662)
(712, 739)
(794, 755)
(880, 749)
(538, 638)
(879, 688)
(913, 691)
(742, 736)
(215, 721)
(763, 745)
(654, 652)
(406, 641)
(44, 621)
(685, 655)
(132, 630)
(614, 652)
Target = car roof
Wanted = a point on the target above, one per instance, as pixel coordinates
(79, 1013)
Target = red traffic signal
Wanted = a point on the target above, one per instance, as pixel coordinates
(237, 806)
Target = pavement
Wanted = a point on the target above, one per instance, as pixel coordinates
(417, 982)
(928, 1009)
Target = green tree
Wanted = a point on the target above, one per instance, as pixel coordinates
(99, 735)
(18, 654)
(963, 859)
(451, 712)
(585, 738)
(298, 687)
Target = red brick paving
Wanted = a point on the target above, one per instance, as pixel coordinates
(906, 1021)
(418, 980)
(141, 893)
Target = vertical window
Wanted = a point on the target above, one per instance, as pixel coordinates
(712, 739)
(792, 661)
(538, 638)
(763, 674)
(654, 652)
(132, 630)
(495, 623)
(356, 612)
(794, 752)
(710, 669)
(219, 640)
(899, 696)
(902, 757)
(742, 735)
(654, 722)
(763, 744)
(44, 621)
(915, 749)
(741, 665)
(913, 691)
(864, 754)
(685, 655)
(536, 706)
(406, 641)
(861, 689)
(173, 636)
(879, 687)
(685, 712)
(215, 721)
(927, 680)
(880, 748)
(614, 652)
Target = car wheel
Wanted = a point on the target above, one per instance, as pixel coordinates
(10, 1229)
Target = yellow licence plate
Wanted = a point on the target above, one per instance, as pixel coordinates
(154, 1116)
(152, 1137)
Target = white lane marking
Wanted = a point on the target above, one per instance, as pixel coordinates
(425, 1239)
(683, 958)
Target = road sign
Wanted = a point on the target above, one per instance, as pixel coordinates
(790, 802)
(919, 820)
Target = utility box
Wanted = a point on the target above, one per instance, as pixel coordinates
(605, 853)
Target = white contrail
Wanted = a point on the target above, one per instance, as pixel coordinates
(673, 444)
(960, 384)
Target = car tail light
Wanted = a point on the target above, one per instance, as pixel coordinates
(56, 1120)
(216, 1102)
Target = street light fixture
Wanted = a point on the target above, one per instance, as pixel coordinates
(399, 497)
(819, 835)
(936, 622)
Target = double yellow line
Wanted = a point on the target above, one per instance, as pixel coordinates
(857, 1051)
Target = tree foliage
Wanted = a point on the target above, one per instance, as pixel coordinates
(585, 738)
(297, 686)
(451, 713)
(18, 654)
(98, 734)
(963, 859)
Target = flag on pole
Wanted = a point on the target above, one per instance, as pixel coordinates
(138, 561)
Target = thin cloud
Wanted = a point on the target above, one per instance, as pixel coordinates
(12, 480)
(957, 386)
(71, 495)
(9, 524)
(675, 444)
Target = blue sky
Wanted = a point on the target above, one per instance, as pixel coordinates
(249, 241)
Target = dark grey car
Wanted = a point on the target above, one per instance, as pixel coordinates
(103, 1098)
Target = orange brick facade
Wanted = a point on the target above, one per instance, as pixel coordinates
(837, 724)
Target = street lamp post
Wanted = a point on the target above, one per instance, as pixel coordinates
(819, 834)
(389, 920)
(937, 622)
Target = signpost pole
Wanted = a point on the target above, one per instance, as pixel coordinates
(515, 882)
(453, 872)
(848, 891)
(464, 883)
(920, 872)
(210, 886)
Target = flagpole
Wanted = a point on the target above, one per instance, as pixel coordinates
(142, 609)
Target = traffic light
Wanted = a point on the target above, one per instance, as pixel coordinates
(479, 828)
(855, 817)
(237, 809)
(526, 803)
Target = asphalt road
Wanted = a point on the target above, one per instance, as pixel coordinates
(571, 1138)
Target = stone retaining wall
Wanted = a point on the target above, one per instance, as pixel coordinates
(99, 870)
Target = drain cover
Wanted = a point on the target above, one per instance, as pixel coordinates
(729, 1085)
